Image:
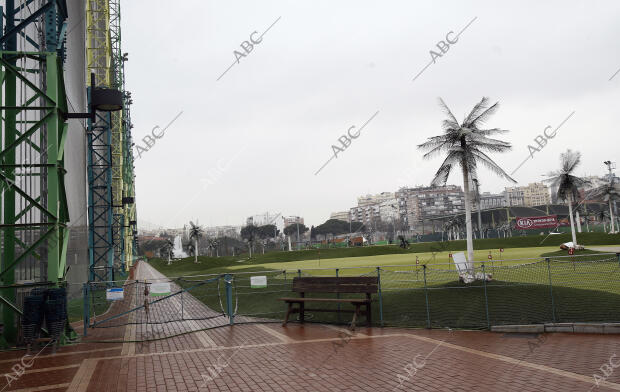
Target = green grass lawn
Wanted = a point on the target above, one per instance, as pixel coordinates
(493, 244)
(581, 292)
(519, 293)
(358, 257)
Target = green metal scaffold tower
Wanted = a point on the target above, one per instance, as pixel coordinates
(34, 212)
(34, 206)
(112, 221)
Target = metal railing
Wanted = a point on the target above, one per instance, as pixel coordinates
(558, 289)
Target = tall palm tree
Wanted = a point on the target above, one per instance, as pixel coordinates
(190, 249)
(603, 216)
(169, 249)
(609, 193)
(567, 184)
(465, 145)
(213, 245)
(195, 232)
(583, 211)
(445, 228)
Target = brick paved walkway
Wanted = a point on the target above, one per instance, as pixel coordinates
(256, 357)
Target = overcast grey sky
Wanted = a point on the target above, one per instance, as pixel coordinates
(257, 136)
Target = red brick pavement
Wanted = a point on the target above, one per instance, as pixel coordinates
(256, 357)
(312, 357)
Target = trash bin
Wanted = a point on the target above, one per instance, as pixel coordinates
(33, 314)
(55, 311)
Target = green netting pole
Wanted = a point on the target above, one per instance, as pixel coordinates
(486, 297)
(428, 313)
(551, 289)
(380, 296)
(338, 296)
(86, 309)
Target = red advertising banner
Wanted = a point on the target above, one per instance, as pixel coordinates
(537, 222)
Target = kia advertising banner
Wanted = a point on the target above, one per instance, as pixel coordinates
(537, 222)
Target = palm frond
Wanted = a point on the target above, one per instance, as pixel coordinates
(479, 108)
(487, 132)
(491, 165)
(570, 160)
(483, 116)
(447, 111)
(442, 174)
(494, 145)
(433, 142)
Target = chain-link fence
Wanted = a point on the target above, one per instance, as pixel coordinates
(573, 289)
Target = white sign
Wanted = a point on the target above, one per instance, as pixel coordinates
(258, 282)
(158, 289)
(460, 262)
(114, 294)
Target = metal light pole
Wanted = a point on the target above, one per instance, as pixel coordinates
(349, 239)
(610, 166)
(297, 219)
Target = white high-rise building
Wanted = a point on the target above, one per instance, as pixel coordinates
(340, 215)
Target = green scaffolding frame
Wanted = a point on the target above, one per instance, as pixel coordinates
(34, 224)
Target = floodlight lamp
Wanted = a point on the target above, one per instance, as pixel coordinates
(106, 99)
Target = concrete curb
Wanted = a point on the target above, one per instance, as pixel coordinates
(600, 328)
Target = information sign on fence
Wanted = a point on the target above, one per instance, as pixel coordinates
(114, 294)
(258, 282)
(159, 289)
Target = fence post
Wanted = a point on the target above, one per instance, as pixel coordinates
(618, 255)
(86, 309)
(428, 313)
(229, 307)
(380, 296)
(299, 273)
(338, 296)
(136, 293)
(486, 298)
(182, 304)
(551, 289)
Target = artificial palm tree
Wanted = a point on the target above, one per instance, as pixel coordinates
(213, 244)
(190, 249)
(603, 216)
(567, 184)
(445, 228)
(168, 249)
(466, 145)
(195, 232)
(609, 193)
(583, 211)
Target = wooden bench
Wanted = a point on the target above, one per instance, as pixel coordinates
(357, 285)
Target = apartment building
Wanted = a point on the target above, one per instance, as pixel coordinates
(514, 196)
(534, 194)
(421, 203)
(292, 220)
(490, 200)
(340, 215)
